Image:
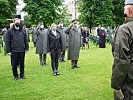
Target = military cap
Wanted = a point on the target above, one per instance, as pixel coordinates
(129, 2)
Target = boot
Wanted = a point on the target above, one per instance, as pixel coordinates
(44, 59)
(75, 63)
(40, 58)
(72, 64)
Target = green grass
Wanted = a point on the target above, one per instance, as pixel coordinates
(90, 82)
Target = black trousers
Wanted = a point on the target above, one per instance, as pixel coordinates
(42, 58)
(54, 59)
(18, 59)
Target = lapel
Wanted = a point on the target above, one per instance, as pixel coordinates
(57, 33)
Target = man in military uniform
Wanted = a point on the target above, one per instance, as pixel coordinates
(74, 44)
(64, 39)
(122, 71)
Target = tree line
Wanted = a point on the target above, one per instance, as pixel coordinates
(93, 12)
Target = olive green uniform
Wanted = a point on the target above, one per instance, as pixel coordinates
(122, 49)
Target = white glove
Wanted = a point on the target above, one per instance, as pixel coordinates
(119, 94)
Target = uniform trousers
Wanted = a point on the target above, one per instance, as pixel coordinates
(18, 58)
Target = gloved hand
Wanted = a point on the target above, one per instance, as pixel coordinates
(119, 94)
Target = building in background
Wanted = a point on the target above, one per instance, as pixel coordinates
(19, 13)
(73, 9)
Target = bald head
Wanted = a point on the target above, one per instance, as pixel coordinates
(128, 10)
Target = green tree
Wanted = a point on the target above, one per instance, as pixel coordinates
(96, 12)
(64, 15)
(27, 21)
(7, 11)
(118, 11)
(44, 10)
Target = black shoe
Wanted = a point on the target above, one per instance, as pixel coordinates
(44, 64)
(63, 60)
(54, 74)
(16, 78)
(77, 67)
(57, 73)
(23, 77)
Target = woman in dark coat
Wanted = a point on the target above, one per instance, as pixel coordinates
(55, 46)
(41, 43)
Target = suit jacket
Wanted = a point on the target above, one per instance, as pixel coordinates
(54, 42)
(16, 40)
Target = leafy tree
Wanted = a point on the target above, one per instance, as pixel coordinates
(96, 12)
(64, 15)
(27, 21)
(44, 10)
(118, 11)
(7, 11)
(101, 12)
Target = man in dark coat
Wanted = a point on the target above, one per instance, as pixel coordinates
(55, 47)
(17, 46)
(41, 43)
(122, 48)
(64, 40)
(74, 43)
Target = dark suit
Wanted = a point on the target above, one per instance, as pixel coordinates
(54, 43)
(17, 44)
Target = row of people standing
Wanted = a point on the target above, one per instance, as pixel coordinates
(56, 40)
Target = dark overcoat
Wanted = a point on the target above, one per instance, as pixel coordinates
(74, 43)
(63, 37)
(41, 41)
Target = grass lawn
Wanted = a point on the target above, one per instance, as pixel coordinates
(90, 82)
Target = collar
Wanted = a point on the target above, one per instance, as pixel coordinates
(129, 19)
(17, 28)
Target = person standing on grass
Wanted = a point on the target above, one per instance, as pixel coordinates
(41, 43)
(102, 38)
(122, 48)
(85, 35)
(64, 40)
(55, 47)
(34, 36)
(74, 43)
(17, 46)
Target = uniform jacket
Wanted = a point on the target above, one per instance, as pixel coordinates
(122, 49)
(16, 40)
(64, 38)
(74, 43)
(41, 41)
